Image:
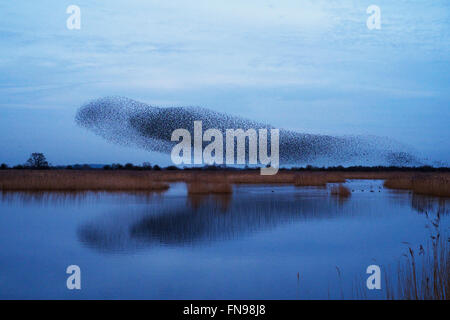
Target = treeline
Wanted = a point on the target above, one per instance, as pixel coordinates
(38, 161)
(371, 169)
(149, 167)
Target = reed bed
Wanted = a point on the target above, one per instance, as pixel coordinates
(425, 274)
(317, 178)
(427, 184)
(341, 191)
(376, 175)
(301, 180)
(59, 180)
(253, 177)
(336, 177)
(437, 184)
(401, 183)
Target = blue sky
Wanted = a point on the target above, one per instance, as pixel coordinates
(311, 66)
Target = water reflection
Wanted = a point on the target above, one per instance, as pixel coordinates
(207, 218)
(72, 197)
(194, 219)
(222, 201)
(427, 204)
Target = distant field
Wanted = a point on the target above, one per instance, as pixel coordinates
(430, 183)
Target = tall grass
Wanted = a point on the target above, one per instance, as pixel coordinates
(341, 191)
(60, 180)
(423, 273)
(428, 184)
(429, 280)
(301, 180)
(317, 178)
(54, 180)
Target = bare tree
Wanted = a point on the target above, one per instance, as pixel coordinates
(37, 160)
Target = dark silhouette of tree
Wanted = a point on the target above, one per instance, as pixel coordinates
(116, 166)
(147, 165)
(3, 166)
(37, 160)
(129, 166)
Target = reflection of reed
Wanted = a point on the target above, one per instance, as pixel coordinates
(341, 191)
(421, 203)
(222, 200)
(41, 197)
(200, 192)
(426, 204)
(209, 188)
(70, 197)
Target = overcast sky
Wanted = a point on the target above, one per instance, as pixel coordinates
(311, 66)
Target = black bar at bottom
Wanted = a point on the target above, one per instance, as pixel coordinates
(220, 309)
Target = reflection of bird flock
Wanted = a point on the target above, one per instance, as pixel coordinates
(205, 219)
(129, 122)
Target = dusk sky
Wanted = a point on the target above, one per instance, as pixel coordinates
(309, 66)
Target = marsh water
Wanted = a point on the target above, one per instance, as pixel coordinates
(261, 242)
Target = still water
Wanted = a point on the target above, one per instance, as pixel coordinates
(261, 242)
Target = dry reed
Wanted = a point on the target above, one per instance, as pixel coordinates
(310, 180)
(340, 191)
(40, 180)
(428, 184)
(59, 180)
(431, 281)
